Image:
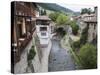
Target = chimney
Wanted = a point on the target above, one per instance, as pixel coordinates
(95, 10)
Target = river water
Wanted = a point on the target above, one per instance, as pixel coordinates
(60, 59)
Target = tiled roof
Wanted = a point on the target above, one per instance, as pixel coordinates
(43, 18)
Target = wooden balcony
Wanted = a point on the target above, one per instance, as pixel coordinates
(24, 10)
(19, 48)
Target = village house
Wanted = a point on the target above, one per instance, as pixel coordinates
(23, 28)
(89, 20)
(43, 30)
(80, 22)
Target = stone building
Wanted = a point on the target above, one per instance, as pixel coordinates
(23, 26)
(22, 29)
(90, 21)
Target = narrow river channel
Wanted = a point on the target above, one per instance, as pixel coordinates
(60, 59)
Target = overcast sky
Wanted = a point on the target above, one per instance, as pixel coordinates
(76, 8)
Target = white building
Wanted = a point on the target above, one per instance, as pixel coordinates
(43, 30)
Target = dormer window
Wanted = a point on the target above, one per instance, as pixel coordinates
(43, 33)
(43, 28)
(42, 22)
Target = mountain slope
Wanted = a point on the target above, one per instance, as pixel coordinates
(55, 7)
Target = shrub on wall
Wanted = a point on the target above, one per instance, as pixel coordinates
(88, 56)
(31, 54)
(76, 45)
(75, 27)
(84, 36)
(60, 31)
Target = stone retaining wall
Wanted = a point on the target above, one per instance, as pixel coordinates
(39, 66)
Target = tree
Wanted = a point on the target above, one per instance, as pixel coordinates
(62, 19)
(41, 12)
(84, 36)
(90, 11)
(53, 16)
(88, 56)
(76, 45)
(31, 54)
(45, 12)
(60, 31)
(59, 18)
(86, 10)
(75, 27)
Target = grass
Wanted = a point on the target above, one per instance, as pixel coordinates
(76, 58)
(74, 55)
(31, 54)
(30, 57)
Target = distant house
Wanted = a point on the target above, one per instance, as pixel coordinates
(23, 27)
(89, 20)
(80, 22)
(43, 29)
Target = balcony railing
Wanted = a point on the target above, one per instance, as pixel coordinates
(90, 19)
(24, 10)
(20, 46)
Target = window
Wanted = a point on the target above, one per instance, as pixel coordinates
(42, 22)
(94, 26)
(43, 34)
(43, 28)
(38, 22)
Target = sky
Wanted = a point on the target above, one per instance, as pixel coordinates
(76, 5)
(76, 8)
(71, 4)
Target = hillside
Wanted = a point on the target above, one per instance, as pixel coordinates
(55, 7)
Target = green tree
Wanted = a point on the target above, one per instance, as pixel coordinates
(84, 36)
(76, 45)
(54, 16)
(88, 56)
(75, 27)
(45, 12)
(62, 19)
(41, 12)
(31, 54)
(60, 31)
(86, 10)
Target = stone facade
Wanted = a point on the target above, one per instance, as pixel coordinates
(21, 66)
(39, 64)
(92, 32)
(90, 21)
